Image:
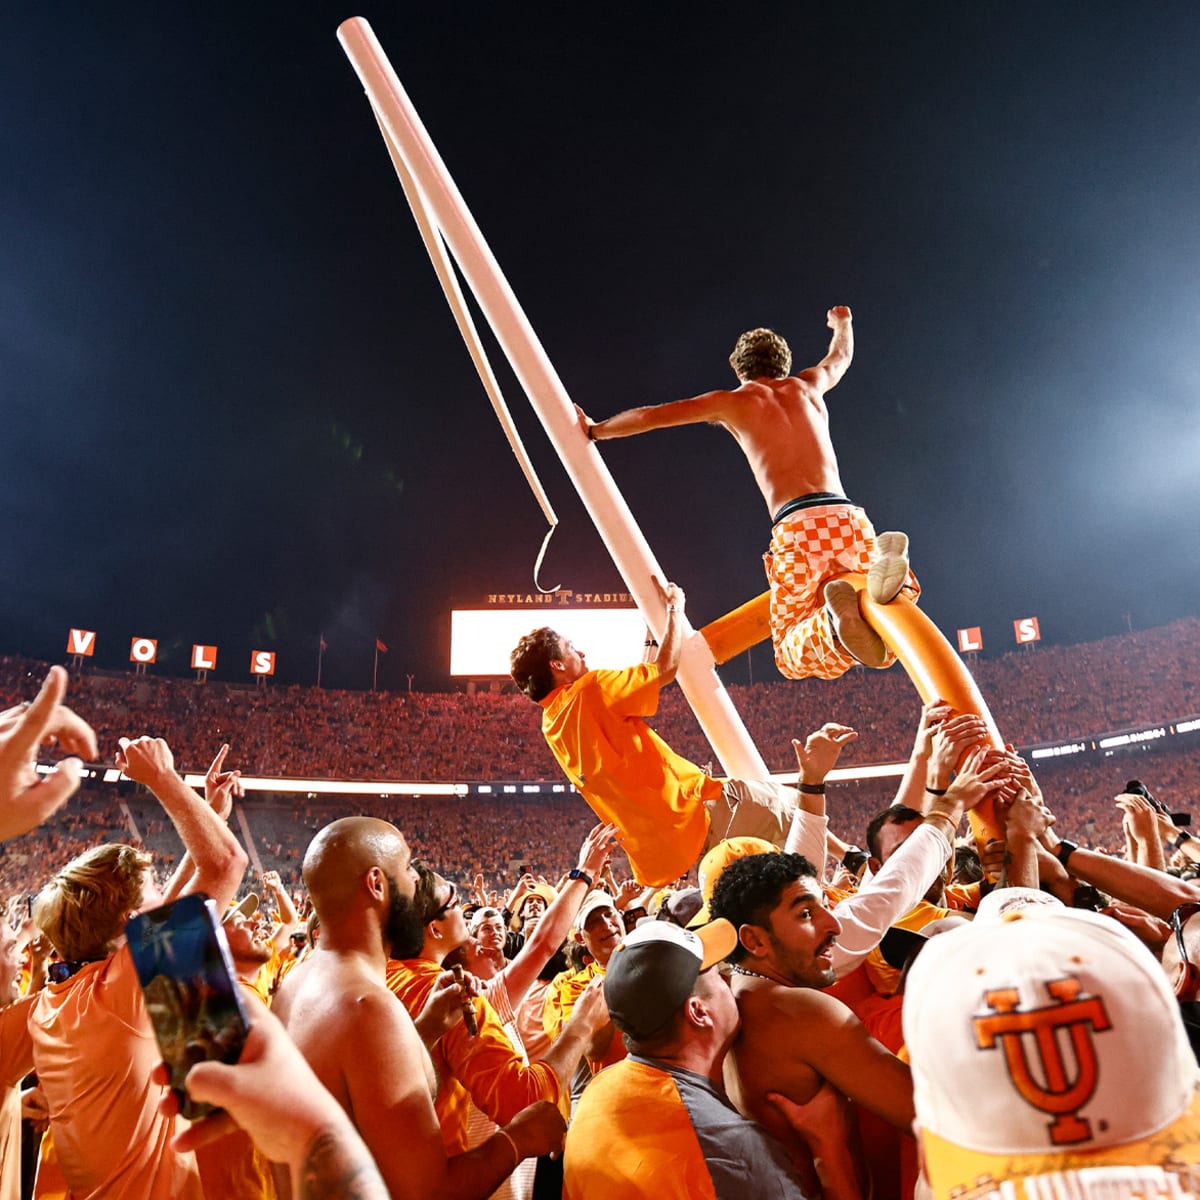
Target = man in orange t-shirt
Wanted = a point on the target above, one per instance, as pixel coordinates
(668, 810)
(93, 1045)
(481, 1066)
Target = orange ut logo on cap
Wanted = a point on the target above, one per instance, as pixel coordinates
(1057, 1097)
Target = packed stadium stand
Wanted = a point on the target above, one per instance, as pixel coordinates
(1039, 696)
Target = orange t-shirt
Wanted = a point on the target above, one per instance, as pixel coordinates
(627, 773)
(485, 1068)
(94, 1049)
(564, 990)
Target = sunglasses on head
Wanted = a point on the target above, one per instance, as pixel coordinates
(451, 902)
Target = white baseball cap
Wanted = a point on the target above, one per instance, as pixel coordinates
(1047, 1041)
(596, 900)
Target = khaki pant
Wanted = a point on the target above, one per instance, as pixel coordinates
(751, 808)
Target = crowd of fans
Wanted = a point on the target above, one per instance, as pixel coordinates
(503, 850)
(1050, 693)
(501, 839)
(1037, 695)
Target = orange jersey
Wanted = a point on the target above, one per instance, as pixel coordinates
(94, 1050)
(485, 1068)
(627, 773)
(564, 990)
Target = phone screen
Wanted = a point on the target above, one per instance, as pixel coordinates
(191, 993)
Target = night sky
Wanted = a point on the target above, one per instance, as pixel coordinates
(236, 409)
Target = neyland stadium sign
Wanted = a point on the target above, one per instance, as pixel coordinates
(563, 598)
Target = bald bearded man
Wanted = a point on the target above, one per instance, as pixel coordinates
(360, 1040)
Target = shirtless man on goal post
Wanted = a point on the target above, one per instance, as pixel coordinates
(782, 425)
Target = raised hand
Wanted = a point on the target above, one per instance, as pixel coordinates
(25, 800)
(220, 786)
(818, 754)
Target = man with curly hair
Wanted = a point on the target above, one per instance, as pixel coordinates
(782, 425)
(801, 1052)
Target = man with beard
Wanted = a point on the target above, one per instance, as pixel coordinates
(480, 1069)
(797, 1042)
(529, 905)
(247, 947)
(363, 1046)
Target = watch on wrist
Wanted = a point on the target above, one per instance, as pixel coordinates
(1064, 850)
(576, 873)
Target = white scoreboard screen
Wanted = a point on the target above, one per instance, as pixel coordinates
(482, 639)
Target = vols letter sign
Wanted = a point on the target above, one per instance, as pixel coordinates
(1027, 630)
(204, 658)
(81, 642)
(970, 639)
(143, 650)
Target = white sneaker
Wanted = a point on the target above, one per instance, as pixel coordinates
(890, 569)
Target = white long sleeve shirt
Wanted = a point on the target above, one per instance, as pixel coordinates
(866, 916)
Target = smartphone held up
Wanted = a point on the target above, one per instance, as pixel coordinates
(191, 992)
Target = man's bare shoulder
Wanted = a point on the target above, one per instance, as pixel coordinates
(791, 389)
(765, 1004)
(355, 1033)
(780, 1027)
(332, 995)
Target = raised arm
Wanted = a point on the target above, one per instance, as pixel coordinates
(816, 756)
(1155, 891)
(1140, 822)
(217, 858)
(908, 873)
(288, 917)
(672, 639)
(220, 788)
(540, 946)
(829, 371)
(1023, 820)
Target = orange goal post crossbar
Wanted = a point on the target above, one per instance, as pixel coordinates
(932, 664)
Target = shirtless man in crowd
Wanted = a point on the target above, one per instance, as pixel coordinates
(782, 425)
(361, 1042)
(796, 1042)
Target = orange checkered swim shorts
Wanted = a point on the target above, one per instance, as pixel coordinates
(809, 547)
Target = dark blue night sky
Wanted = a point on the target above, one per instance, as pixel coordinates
(236, 409)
